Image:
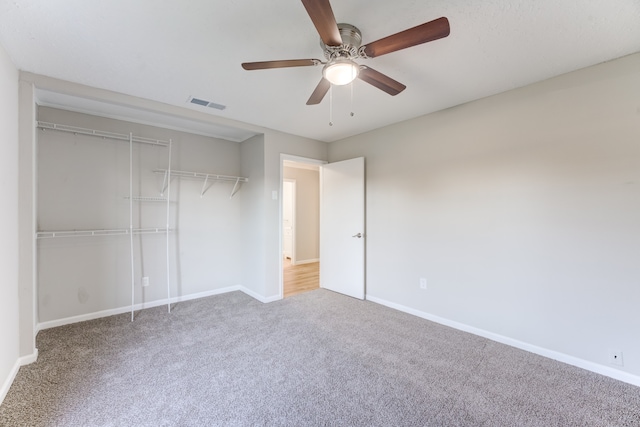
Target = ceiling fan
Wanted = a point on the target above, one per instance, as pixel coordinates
(342, 45)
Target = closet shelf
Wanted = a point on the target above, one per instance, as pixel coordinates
(101, 134)
(202, 175)
(90, 233)
(147, 199)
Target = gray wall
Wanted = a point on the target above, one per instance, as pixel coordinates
(277, 143)
(253, 207)
(307, 212)
(9, 326)
(521, 210)
(261, 161)
(82, 184)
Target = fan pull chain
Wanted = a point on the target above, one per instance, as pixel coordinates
(331, 105)
(352, 113)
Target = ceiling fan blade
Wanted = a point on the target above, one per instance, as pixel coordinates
(322, 16)
(319, 92)
(429, 31)
(280, 64)
(381, 81)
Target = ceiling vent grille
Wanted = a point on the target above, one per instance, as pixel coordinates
(205, 103)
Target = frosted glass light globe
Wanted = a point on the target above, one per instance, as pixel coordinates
(340, 71)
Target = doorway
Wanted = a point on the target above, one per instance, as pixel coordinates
(300, 225)
(341, 225)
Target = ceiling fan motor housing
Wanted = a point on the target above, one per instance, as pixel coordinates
(351, 41)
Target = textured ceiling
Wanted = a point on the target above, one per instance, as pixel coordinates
(168, 50)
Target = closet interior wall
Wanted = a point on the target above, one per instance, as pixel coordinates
(83, 183)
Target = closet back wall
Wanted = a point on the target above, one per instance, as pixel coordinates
(83, 183)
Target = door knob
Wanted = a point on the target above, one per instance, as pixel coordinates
(359, 235)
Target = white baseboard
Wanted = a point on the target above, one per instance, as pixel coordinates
(551, 354)
(6, 385)
(307, 261)
(106, 313)
(127, 309)
(205, 294)
(27, 360)
(259, 297)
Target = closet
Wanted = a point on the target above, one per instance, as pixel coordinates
(114, 209)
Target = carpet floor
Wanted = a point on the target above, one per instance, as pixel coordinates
(315, 359)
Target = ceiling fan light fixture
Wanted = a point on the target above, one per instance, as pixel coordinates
(340, 71)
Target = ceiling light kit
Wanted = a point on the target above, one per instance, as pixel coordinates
(340, 68)
(342, 45)
(340, 71)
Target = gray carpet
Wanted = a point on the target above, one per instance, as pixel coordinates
(314, 359)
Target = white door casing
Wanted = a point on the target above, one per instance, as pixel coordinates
(342, 227)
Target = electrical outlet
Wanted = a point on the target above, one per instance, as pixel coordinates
(423, 283)
(615, 357)
(145, 281)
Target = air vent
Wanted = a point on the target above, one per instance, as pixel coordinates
(205, 103)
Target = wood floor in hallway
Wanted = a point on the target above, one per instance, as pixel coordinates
(300, 278)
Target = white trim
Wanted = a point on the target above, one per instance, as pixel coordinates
(300, 159)
(106, 313)
(551, 354)
(305, 166)
(308, 261)
(25, 360)
(259, 297)
(127, 309)
(7, 383)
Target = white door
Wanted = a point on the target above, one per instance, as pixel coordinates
(342, 231)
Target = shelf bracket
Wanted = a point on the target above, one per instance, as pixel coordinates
(233, 192)
(204, 186)
(164, 183)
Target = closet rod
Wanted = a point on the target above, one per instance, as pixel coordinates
(200, 175)
(147, 199)
(100, 133)
(92, 233)
(203, 175)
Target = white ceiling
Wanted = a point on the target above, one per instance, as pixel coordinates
(168, 50)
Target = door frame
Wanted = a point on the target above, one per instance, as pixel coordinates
(297, 159)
